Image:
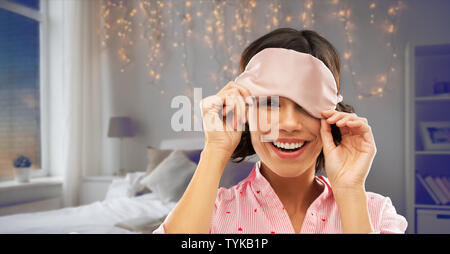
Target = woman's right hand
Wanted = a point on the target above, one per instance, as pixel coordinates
(224, 117)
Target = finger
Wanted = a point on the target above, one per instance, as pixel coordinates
(240, 113)
(252, 115)
(227, 86)
(243, 91)
(345, 131)
(235, 111)
(342, 121)
(229, 113)
(327, 137)
(328, 113)
(210, 107)
(335, 117)
(211, 103)
(240, 92)
(230, 102)
(359, 127)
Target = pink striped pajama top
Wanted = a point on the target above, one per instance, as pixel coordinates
(252, 206)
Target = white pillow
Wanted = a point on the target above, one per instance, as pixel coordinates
(156, 156)
(125, 187)
(171, 177)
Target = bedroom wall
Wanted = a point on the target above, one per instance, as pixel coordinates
(420, 22)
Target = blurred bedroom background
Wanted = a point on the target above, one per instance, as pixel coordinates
(86, 91)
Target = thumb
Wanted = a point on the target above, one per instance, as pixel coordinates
(327, 137)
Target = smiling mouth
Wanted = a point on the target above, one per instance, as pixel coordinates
(289, 147)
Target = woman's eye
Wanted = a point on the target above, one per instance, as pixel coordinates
(270, 103)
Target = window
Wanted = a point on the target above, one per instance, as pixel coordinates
(20, 83)
(34, 4)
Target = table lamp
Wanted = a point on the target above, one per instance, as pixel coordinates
(121, 127)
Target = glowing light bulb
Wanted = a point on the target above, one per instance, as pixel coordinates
(347, 55)
(275, 21)
(308, 5)
(390, 28)
(391, 11)
(382, 79)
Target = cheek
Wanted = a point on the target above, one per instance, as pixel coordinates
(257, 144)
(313, 125)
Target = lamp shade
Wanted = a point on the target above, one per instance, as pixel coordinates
(120, 127)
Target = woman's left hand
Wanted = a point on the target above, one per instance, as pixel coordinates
(347, 165)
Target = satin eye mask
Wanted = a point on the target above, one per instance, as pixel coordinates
(300, 77)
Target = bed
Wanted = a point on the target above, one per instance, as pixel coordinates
(136, 204)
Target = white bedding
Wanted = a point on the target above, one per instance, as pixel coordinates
(96, 218)
(119, 206)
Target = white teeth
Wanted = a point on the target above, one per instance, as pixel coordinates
(288, 145)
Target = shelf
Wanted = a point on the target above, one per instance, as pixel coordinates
(424, 65)
(433, 98)
(434, 152)
(432, 206)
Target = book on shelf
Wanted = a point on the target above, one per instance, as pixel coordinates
(440, 183)
(441, 196)
(446, 182)
(428, 189)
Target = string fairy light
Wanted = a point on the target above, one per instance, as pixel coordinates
(187, 27)
(122, 27)
(273, 15)
(307, 15)
(232, 45)
(382, 79)
(154, 26)
(225, 37)
(372, 7)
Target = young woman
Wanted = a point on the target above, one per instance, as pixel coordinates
(283, 194)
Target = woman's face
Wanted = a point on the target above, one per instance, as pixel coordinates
(286, 156)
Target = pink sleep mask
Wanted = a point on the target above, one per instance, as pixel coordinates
(300, 77)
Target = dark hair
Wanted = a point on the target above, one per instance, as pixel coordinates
(304, 41)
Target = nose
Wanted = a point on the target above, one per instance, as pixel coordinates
(290, 119)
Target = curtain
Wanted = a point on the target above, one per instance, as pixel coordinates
(76, 128)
